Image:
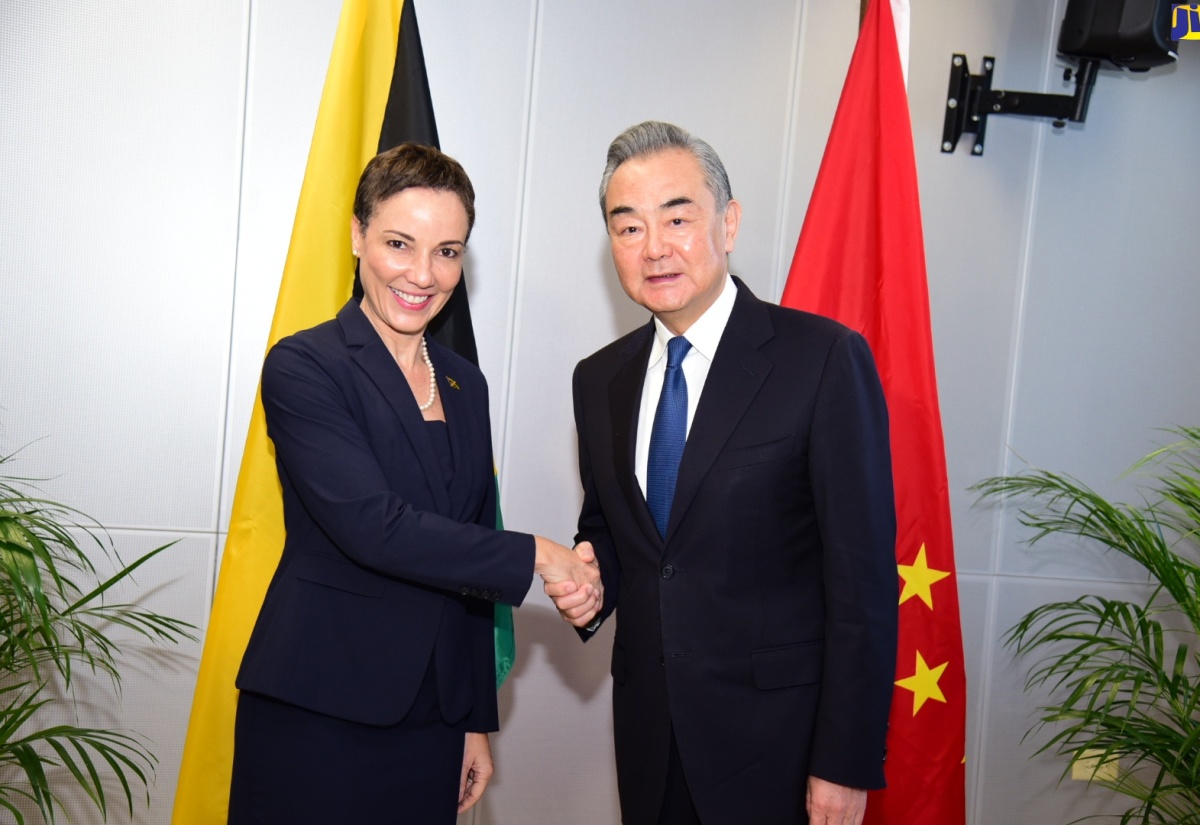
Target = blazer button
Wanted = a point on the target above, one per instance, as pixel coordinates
(668, 572)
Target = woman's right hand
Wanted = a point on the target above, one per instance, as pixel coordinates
(572, 579)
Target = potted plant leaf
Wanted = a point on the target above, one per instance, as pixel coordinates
(1123, 675)
(54, 620)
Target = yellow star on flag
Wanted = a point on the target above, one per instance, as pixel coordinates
(924, 683)
(919, 579)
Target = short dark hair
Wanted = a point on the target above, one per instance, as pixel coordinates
(654, 136)
(408, 166)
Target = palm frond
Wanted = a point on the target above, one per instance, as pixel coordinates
(54, 619)
(1123, 677)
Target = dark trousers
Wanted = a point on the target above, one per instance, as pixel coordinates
(677, 808)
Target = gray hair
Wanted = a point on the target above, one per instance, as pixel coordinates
(654, 136)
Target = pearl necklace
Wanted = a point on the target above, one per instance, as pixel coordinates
(432, 377)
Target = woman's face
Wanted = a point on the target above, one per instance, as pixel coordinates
(410, 259)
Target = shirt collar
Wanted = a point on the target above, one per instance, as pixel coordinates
(705, 333)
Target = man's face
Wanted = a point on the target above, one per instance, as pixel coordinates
(669, 243)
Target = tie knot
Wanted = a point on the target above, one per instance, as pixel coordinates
(677, 347)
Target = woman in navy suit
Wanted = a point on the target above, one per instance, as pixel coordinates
(368, 685)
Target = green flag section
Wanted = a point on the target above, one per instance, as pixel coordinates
(506, 640)
(861, 260)
(376, 95)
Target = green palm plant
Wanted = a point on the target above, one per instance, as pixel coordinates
(1123, 676)
(53, 621)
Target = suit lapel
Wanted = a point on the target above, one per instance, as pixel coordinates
(371, 354)
(738, 371)
(625, 398)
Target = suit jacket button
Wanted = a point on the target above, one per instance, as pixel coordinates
(668, 572)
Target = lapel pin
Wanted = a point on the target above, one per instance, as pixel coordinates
(452, 382)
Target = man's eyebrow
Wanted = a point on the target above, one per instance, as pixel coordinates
(619, 210)
(680, 201)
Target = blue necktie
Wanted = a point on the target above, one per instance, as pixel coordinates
(668, 436)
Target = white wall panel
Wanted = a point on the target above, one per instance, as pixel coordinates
(1107, 354)
(120, 147)
(553, 753)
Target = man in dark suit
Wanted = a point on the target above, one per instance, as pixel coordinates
(737, 486)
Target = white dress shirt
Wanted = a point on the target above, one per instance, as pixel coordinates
(704, 335)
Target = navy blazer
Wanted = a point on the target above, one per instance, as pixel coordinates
(763, 629)
(388, 565)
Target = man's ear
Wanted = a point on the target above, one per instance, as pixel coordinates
(733, 219)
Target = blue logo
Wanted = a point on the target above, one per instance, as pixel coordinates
(1185, 22)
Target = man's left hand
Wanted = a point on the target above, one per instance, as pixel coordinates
(830, 804)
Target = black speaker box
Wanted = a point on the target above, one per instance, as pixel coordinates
(1130, 34)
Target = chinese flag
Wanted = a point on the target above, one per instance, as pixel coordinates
(861, 260)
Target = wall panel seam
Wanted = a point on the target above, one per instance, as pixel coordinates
(519, 246)
(248, 20)
(778, 276)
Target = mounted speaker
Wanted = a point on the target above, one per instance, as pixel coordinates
(1129, 34)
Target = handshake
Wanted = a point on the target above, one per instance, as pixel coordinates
(571, 579)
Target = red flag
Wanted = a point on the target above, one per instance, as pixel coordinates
(861, 260)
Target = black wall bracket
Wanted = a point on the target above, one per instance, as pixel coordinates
(971, 99)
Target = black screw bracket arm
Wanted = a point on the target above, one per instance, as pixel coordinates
(971, 99)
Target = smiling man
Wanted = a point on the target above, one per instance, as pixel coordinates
(737, 488)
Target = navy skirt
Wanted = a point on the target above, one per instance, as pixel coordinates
(292, 766)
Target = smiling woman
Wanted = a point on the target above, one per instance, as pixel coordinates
(412, 248)
(410, 260)
(368, 685)
(412, 219)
